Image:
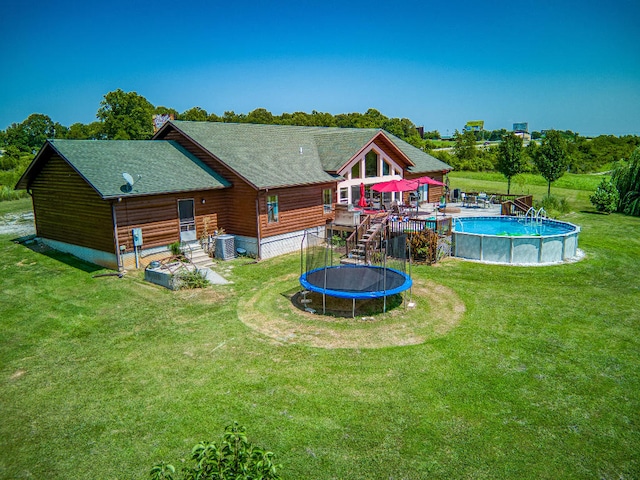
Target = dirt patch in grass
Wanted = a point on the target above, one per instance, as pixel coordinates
(430, 310)
(202, 295)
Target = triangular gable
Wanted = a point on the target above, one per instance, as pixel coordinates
(38, 163)
(383, 145)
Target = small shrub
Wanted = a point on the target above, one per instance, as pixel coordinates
(424, 246)
(606, 197)
(190, 279)
(175, 249)
(8, 194)
(233, 458)
(626, 177)
(553, 205)
(338, 241)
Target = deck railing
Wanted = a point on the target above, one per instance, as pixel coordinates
(517, 206)
(441, 226)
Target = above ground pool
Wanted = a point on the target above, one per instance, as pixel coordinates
(514, 240)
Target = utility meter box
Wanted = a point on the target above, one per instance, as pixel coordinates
(137, 237)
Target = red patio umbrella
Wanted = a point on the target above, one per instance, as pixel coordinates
(362, 202)
(401, 185)
(428, 181)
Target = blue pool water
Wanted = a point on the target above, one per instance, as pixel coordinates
(511, 226)
(514, 240)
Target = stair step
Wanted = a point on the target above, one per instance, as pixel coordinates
(199, 257)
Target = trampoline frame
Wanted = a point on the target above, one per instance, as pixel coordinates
(361, 295)
(353, 295)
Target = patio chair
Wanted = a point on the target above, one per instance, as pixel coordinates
(472, 201)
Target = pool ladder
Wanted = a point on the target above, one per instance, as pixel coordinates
(533, 217)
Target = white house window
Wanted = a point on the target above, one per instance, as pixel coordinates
(343, 195)
(386, 168)
(327, 199)
(272, 208)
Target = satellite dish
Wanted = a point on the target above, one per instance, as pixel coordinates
(128, 178)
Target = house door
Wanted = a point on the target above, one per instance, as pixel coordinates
(187, 220)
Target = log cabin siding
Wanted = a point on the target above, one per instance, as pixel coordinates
(435, 191)
(68, 210)
(239, 214)
(298, 208)
(158, 217)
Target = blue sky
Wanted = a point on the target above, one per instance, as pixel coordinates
(555, 64)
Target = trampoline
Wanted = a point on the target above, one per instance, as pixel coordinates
(359, 271)
(358, 282)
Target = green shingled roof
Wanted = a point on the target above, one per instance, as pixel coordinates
(267, 156)
(163, 166)
(270, 156)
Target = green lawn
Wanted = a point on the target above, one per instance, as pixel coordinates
(575, 188)
(539, 378)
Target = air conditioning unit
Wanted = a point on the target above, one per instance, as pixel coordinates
(225, 247)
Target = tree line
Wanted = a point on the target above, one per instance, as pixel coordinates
(129, 116)
(584, 155)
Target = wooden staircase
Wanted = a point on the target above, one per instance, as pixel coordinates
(362, 243)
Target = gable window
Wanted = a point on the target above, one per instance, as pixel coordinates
(371, 164)
(355, 170)
(272, 208)
(386, 168)
(327, 199)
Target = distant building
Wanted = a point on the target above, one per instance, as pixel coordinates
(474, 126)
(522, 130)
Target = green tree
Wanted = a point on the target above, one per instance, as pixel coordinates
(194, 114)
(372, 118)
(214, 118)
(464, 148)
(626, 178)
(126, 116)
(347, 120)
(551, 158)
(432, 135)
(31, 134)
(81, 131)
(401, 127)
(606, 197)
(231, 117)
(261, 116)
(321, 119)
(496, 135)
(10, 159)
(510, 157)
